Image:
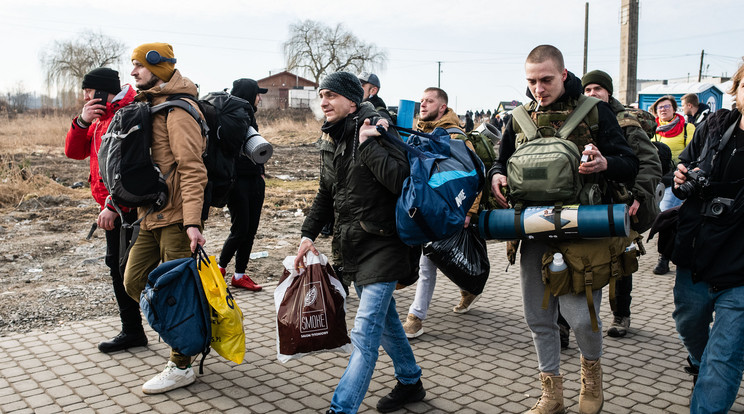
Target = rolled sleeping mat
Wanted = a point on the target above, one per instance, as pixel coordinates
(256, 147)
(551, 223)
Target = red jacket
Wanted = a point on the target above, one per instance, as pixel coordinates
(82, 143)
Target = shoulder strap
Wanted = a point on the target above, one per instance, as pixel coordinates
(525, 122)
(578, 115)
(180, 103)
(455, 130)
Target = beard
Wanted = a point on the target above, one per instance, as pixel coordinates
(431, 116)
(149, 84)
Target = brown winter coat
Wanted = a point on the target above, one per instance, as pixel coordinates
(177, 148)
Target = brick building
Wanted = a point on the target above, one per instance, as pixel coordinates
(279, 85)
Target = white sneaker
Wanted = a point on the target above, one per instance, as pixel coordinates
(171, 378)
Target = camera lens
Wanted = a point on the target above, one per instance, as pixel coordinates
(716, 209)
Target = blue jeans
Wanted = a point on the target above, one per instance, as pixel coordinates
(669, 200)
(376, 323)
(716, 350)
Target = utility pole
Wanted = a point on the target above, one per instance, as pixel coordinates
(628, 91)
(439, 74)
(586, 34)
(700, 72)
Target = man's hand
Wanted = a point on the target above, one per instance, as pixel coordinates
(634, 208)
(467, 221)
(106, 219)
(497, 183)
(305, 246)
(196, 237)
(368, 130)
(92, 110)
(679, 175)
(597, 162)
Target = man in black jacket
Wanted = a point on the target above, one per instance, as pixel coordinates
(555, 90)
(361, 178)
(709, 254)
(371, 86)
(695, 112)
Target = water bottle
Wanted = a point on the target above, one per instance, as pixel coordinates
(557, 264)
(632, 247)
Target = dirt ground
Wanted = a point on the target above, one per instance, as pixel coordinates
(51, 275)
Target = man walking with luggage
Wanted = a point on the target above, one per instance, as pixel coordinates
(598, 84)
(361, 177)
(555, 90)
(435, 113)
(173, 231)
(83, 140)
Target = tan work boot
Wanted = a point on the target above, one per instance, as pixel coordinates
(591, 398)
(551, 400)
(466, 301)
(413, 326)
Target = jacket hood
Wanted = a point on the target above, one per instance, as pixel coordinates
(122, 99)
(572, 85)
(178, 84)
(616, 105)
(448, 120)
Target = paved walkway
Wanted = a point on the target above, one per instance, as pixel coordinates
(480, 362)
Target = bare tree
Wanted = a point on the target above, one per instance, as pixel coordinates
(19, 98)
(317, 49)
(66, 62)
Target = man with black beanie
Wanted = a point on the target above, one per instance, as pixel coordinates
(361, 178)
(246, 198)
(82, 141)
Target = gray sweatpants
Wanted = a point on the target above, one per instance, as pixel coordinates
(543, 322)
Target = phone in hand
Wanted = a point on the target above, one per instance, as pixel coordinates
(102, 95)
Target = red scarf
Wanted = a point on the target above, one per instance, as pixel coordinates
(677, 129)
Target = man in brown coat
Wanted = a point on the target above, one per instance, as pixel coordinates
(173, 232)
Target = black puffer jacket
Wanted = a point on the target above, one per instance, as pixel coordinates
(360, 184)
(713, 247)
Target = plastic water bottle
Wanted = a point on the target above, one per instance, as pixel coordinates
(557, 264)
(258, 255)
(632, 247)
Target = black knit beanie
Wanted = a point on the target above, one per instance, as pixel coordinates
(599, 77)
(345, 84)
(102, 79)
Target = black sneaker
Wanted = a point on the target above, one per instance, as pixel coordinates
(123, 341)
(662, 267)
(401, 395)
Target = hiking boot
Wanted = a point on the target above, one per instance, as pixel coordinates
(171, 378)
(565, 331)
(591, 398)
(245, 282)
(466, 301)
(551, 400)
(413, 326)
(619, 327)
(122, 341)
(662, 267)
(401, 395)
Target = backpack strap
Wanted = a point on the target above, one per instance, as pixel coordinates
(586, 104)
(588, 280)
(455, 130)
(525, 122)
(181, 103)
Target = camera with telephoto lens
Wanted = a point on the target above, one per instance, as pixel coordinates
(696, 182)
(718, 206)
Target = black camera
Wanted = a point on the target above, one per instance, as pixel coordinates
(718, 206)
(696, 182)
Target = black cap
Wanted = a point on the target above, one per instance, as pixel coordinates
(345, 84)
(247, 89)
(102, 79)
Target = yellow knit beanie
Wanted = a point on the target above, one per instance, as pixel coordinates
(162, 62)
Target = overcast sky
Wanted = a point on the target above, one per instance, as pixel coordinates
(482, 44)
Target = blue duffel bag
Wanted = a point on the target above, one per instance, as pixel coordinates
(175, 306)
(446, 177)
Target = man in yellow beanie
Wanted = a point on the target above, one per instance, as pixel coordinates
(174, 231)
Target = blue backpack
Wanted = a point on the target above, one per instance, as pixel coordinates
(446, 177)
(176, 307)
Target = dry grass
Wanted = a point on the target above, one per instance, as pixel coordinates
(33, 133)
(289, 128)
(289, 195)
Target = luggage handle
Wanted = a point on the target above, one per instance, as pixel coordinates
(402, 145)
